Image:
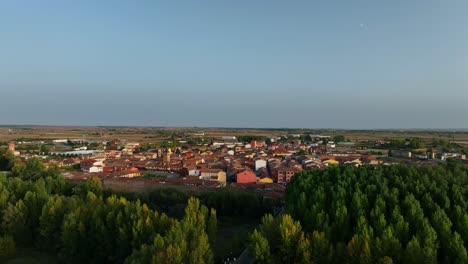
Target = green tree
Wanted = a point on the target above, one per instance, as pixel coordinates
(14, 222)
(383, 207)
(7, 160)
(359, 250)
(35, 169)
(388, 245)
(94, 185)
(53, 171)
(457, 252)
(414, 253)
(185, 242)
(44, 149)
(386, 260)
(34, 201)
(339, 138)
(290, 232)
(7, 247)
(50, 223)
(211, 227)
(304, 250)
(18, 169)
(321, 248)
(260, 248)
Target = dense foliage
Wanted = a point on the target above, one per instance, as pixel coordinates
(398, 143)
(339, 138)
(7, 160)
(389, 214)
(230, 203)
(249, 138)
(81, 226)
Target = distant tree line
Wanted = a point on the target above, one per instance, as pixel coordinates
(249, 138)
(394, 214)
(398, 143)
(339, 138)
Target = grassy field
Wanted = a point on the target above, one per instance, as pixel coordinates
(31, 256)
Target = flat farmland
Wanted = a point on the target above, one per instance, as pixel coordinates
(160, 134)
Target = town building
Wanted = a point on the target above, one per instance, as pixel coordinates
(246, 177)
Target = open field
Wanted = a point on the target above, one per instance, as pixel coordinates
(159, 134)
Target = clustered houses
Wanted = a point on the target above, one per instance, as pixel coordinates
(282, 172)
(217, 164)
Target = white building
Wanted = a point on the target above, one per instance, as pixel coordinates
(95, 169)
(194, 172)
(57, 141)
(260, 164)
(81, 148)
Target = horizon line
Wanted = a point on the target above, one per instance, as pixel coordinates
(223, 127)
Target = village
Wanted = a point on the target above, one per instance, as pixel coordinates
(263, 164)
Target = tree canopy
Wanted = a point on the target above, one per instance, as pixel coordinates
(392, 214)
(82, 226)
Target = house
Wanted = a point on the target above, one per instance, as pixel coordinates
(368, 158)
(238, 149)
(331, 162)
(222, 177)
(207, 174)
(446, 156)
(281, 153)
(284, 174)
(132, 146)
(257, 144)
(400, 153)
(355, 162)
(12, 146)
(260, 164)
(266, 180)
(421, 156)
(131, 173)
(110, 169)
(314, 165)
(295, 141)
(91, 166)
(246, 177)
(71, 161)
(193, 171)
(263, 172)
(94, 169)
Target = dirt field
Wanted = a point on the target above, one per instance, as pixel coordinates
(156, 135)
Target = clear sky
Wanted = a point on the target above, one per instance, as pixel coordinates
(244, 63)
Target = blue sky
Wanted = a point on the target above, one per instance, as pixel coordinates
(245, 63)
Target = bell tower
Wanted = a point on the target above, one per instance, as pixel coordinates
(168, 156)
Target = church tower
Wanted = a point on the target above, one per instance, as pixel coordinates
(168, 156)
